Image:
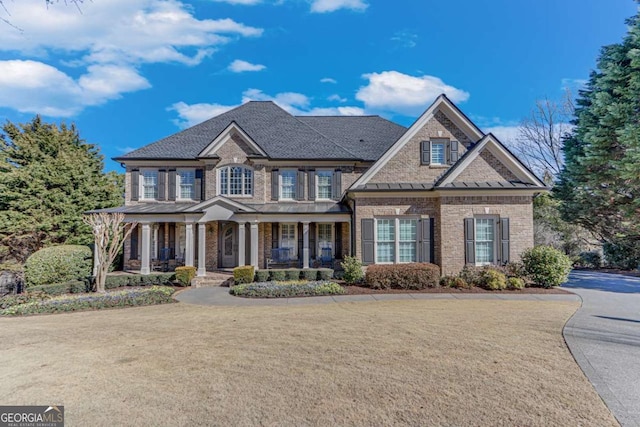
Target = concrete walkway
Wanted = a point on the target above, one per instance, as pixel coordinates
(219, 296)
(604, 338)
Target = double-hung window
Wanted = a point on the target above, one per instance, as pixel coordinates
(288, 184)
(485, 240)
(186, 183)
(288, 239)
(438, 153)
(235, 181)
(149, 179)
(396, 240)
(324, 184)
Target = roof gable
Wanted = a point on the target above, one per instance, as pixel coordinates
(228, 134)
(505, 158)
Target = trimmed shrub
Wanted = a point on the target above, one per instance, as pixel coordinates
(325, 273)
(352, 270)
(112, 282)
(403, 276)
(310, 274)
(67, 303)
(591, 259)
(472, 275)
(58, 264)
(286, 289)
(24, 298)
(546, 266)
(493, 279)
(262, 275)
(55, 289)
(122, 280)
(243, 274)
(455, 282)
(185, 274)
(278, 275)
(515, 283)
(292, 274)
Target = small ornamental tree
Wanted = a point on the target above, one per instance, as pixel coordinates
(109, 231)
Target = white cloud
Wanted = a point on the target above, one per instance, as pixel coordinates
(112, 39)
(573, 84)
(401, 93)
(405, 38)
(336, 97)
(191, 115)
(35, 87)
(508, 135)
(333, 111)
(240, 66)
(324, 6)
(328, 80)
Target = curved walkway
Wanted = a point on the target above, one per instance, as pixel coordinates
(219, 296)
(604, 338)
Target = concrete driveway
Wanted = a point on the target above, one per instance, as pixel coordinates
(604, 337)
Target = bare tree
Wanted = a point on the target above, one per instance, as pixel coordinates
(110, 232)
(539, 143)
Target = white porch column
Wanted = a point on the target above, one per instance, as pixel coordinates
(241, 243)
(202, 235)
(188, 257)
(305, 244)
(254, 245)
(146, 247)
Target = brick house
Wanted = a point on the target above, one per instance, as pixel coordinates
(258, 186)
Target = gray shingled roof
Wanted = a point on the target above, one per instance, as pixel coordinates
(366, 136)
(281, 135)
(483, 185)
(396, 186)
(148, 208)
(300, 208)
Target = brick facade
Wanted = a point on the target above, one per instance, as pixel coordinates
(485, 167)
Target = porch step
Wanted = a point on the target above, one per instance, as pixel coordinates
(216, 278)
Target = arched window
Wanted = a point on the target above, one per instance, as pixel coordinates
(235, 181)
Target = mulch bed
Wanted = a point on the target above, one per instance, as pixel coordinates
(359, 290)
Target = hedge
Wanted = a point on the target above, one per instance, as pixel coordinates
(122, 280)
(284, 290)
(67, 303)
(402, 276)
(70, 287)
(243, 274)
(185, 274)
(58, 264)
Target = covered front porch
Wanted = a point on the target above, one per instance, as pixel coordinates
(221, 233)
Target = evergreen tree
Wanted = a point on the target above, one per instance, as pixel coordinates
(600, 184)
(49, 176)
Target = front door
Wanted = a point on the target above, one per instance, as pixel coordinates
(229, 246)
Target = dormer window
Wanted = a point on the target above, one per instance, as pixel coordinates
(235, 181)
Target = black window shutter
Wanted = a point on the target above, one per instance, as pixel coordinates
(504, 240)
(425, 153)
(162, 184)
(426, 240)
(197, 188)
(134, 243)
(300, 241)
(135, 184)
(300, 185)
(469, 241)
(275, 184)
(275, 238)
(312, 185)
(338, 245)
(312, 240)
(172, 184)
(336, 185)
(453, 152)
(172, 240)
(161, 242)
(367, 241)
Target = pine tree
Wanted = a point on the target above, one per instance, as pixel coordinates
(49, 177)
(600, 184)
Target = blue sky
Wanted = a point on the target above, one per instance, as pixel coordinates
(129, 72)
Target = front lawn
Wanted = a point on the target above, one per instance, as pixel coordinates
(419, 362)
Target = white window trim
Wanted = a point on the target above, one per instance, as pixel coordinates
(295, 184)
(219, 181)
(178, 188)
(331, 242)
(397, 238)
(330, 186)
(294, 255)
(495, 219)
(445, 145)
(141, 183)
